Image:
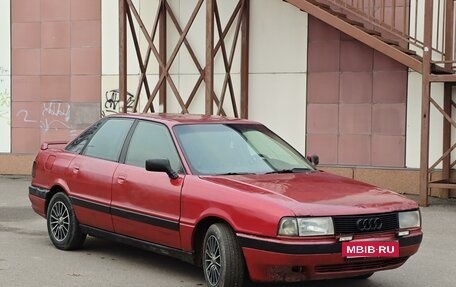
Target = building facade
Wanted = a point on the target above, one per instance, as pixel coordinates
(318, 88)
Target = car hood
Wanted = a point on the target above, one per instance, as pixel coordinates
(317, 193)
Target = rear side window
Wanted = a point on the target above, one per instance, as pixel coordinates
(78, 144)
(107, 142)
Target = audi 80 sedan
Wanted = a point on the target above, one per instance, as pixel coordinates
(226, 194)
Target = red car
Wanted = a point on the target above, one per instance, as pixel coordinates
(226, 194)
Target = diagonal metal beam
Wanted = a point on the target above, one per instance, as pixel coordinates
(228, 61)
(142, 67)
(231, 59)
(358, 34)
(172, 57)
(164, 64)
(445, 115)
(190, 50)
(194, 58)
(143, 75)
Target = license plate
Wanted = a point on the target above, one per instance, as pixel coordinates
(370, 249)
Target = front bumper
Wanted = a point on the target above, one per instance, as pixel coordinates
(290, 261)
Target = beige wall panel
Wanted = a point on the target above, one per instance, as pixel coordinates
(279, 101)
(413, 148)
(196, 36)
(110, 40)
(186, 84)
(413, 129)
(278, 38)
(147, 10)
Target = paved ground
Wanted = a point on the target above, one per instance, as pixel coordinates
(27, 257)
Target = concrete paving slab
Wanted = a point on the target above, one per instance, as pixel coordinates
(27, 257)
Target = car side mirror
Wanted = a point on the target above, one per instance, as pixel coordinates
(161, 165)
(314, 159)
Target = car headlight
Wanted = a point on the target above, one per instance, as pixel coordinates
(409, 219)
(306, 226)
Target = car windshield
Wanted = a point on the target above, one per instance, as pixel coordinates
(230, 149)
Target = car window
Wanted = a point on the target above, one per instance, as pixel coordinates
(78, 144)
(265, 144)
(107, 142)
(152, 141)
(237, 149)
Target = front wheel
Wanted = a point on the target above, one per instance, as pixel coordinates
(63, 228)
(223, 263)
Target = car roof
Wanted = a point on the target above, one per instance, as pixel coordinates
(174, 119)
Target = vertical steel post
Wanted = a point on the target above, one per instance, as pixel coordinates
(123, 55)
(446, 145)
(449, 30)
(163, 57)
(209, 70)
(245, 46)
(425, 103)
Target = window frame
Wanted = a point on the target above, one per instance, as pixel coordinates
(101, 122)
(104, 121)
(126, 146)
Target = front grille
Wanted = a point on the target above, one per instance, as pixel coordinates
(362, 265)
(349, 224)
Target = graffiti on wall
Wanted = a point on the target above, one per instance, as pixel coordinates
(54, 115)
(112, 105)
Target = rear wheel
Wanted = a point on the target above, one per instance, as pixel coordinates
(223, 263)
(63, 228)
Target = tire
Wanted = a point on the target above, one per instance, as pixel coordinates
(222, 259)
(63, 228)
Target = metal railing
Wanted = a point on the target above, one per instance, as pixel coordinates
(404, 20)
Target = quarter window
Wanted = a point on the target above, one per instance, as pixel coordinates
(152, 141)
(109, 139)
(78, 144)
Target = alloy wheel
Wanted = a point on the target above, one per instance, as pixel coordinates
(212, 260)
(59, 221)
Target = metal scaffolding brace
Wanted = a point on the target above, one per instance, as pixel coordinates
(237, 25)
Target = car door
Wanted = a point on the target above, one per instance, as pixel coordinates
(90, 173)
(146, 205)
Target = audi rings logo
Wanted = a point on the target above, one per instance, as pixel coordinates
(369, 224)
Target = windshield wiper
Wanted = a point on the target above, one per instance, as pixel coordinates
(292, 170)
(235, 173)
